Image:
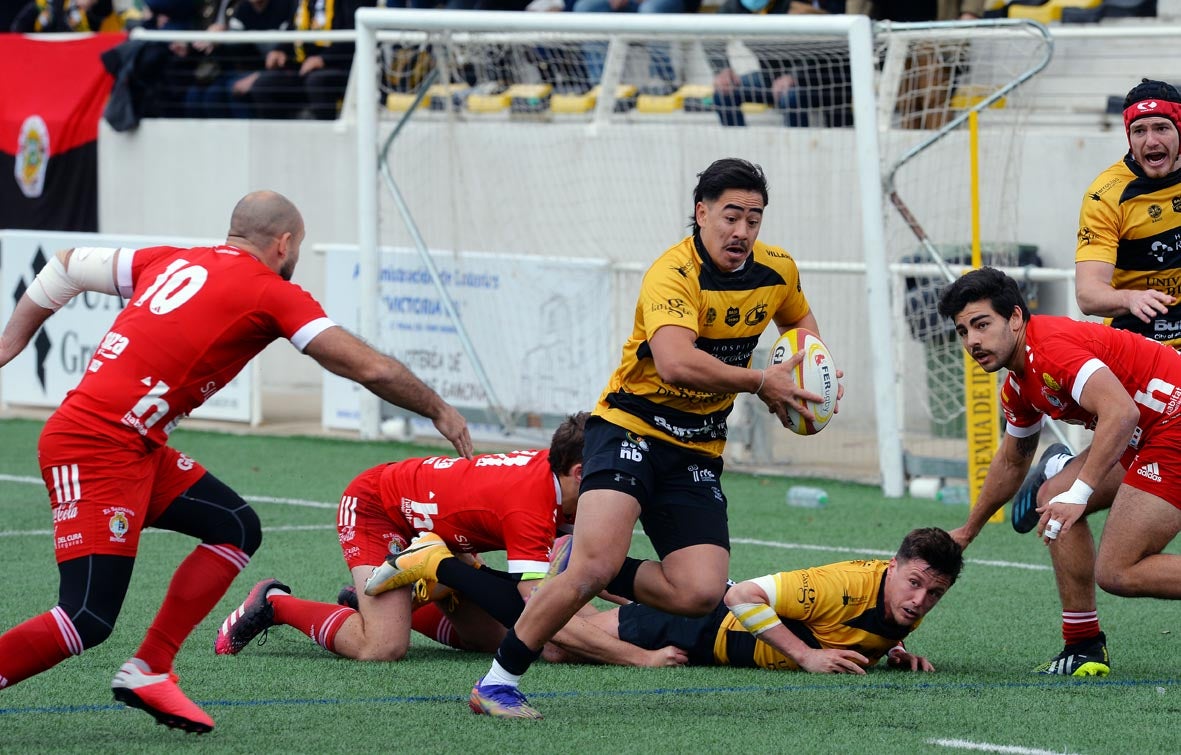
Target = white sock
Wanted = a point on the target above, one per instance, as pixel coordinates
(1056, 463)
(497, 675)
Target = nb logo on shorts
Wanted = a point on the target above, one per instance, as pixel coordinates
(1151, 471)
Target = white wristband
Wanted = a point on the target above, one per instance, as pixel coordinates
(1079, 494)
(762, 381)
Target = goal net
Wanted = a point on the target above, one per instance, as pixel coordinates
(931, 77)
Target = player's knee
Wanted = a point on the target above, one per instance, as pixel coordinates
(698, 600)
(382, 651)
(251, 531)
(1117, 580)
(92, 630)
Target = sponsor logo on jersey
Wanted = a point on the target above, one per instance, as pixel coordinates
(756, 314)
(68, 541)
(1051, 398)
(184, 463)
(637, 440)
(1176, 204)
(346, 534)
(1154, 212)
(1085, 235)
(711, 315)
(65, 512)
(773, 252)
(1050, 382)
(1151, 470)
(852, 600)
(32, 156)
(683, 270)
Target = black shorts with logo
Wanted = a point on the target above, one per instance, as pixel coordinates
(680, 492)
(651, 629)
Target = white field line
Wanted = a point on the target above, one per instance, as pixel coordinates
(964, 744)
(738, 540)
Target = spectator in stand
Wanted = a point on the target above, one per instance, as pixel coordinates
(794, 81)
(61, 16)
(930, 67)
(310, 75)
(660, 63)
(225, 92)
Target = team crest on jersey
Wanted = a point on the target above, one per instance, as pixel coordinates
(733, 315)
(1154, 212)
(32, 156)
(1176, 204)
(1085, 235)
(118, 525)
(1050, 382)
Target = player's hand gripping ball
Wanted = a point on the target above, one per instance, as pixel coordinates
(816, 373)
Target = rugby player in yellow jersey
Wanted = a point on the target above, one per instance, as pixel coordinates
(839, 618)
(1127, 270)
(654, 444)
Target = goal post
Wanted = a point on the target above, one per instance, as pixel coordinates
(612, 181)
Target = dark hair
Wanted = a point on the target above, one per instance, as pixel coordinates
(985, 283)
(723, 175)
(1151, 89)
(565, 448)
(937, 548)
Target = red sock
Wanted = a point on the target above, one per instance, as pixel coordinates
(200, 581)
(319, 621)
(38, 644)
(430, 620)
(1079, 625)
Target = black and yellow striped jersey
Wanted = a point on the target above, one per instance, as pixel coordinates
(727, 311)
(838, 606)
(1134, 223)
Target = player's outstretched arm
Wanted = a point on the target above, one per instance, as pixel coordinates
(1005, 475)
(751, 605)
(67, 274)
(26, 318)
(342, 353)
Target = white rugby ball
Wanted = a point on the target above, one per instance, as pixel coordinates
(816, 373)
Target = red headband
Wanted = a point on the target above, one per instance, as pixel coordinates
(1152, 109)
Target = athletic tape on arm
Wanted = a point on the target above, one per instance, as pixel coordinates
(88, 269)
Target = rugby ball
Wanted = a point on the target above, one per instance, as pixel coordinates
(816, 373)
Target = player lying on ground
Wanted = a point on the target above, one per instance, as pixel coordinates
(836, 618)
(513, 502)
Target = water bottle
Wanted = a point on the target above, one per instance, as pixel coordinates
(806, 497)
(953, 494)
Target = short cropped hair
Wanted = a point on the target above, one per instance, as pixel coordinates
(723, 175)
(565, 448)
(984, 283)
(933, 545)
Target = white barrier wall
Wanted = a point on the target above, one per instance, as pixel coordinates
(60, 353)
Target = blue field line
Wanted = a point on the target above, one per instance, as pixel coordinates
(658, 691)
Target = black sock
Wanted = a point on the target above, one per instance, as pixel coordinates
(623, 584)
(487, 588)
(515, 656)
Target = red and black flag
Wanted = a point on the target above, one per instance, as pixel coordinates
(52, 96)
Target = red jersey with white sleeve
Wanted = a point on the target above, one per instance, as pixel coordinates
(508, 501)
(1061, 354)
(194, 317)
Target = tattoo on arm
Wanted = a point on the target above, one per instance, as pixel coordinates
(1027, 446)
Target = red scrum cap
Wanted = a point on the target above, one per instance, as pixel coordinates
(1152, 99)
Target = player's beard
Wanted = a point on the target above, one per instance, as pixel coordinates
(287, 270)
